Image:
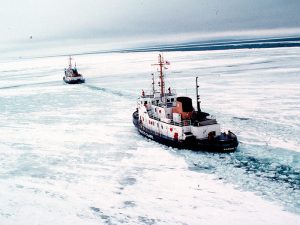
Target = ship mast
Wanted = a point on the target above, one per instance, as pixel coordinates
(161, 63)
(153, 87)
(198, 96)
(161, 75)
(70, 62)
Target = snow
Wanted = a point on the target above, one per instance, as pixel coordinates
(69, 154)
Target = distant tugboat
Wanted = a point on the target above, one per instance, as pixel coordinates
(172, 120)
(71, 74)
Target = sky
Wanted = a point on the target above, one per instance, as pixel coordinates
(54, 20)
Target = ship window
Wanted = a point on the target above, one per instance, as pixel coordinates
(145, 102)
(157, 101)
(153, 102)
(162, 127)
(172, 99)
(168, 100)
(142, 102)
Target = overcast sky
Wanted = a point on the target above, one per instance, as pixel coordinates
(83, 19)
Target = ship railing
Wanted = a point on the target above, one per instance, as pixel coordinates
(180, 124)
(147, 96)
(185, 123)
(152, 116)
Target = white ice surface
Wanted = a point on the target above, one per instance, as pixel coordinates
(69, 154)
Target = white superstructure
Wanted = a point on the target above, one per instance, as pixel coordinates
(71, 74)
(172, 117)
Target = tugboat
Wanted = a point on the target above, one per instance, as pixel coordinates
(171, 120)
(71, 74)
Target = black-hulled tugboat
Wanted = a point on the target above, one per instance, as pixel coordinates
(172, 120)
(71, 74)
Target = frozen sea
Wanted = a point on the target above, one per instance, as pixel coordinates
(69, 154)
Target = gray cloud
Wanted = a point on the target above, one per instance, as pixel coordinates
(71, 19)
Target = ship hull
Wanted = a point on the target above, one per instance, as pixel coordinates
(220, 144)
(78, 81)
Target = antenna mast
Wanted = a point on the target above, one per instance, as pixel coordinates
(161, 75)
(161, 63)
(198, 96)
(153, 87)
(70, 62)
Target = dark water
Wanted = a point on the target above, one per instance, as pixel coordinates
(223, 45)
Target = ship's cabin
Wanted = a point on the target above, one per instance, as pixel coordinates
(156, 100)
